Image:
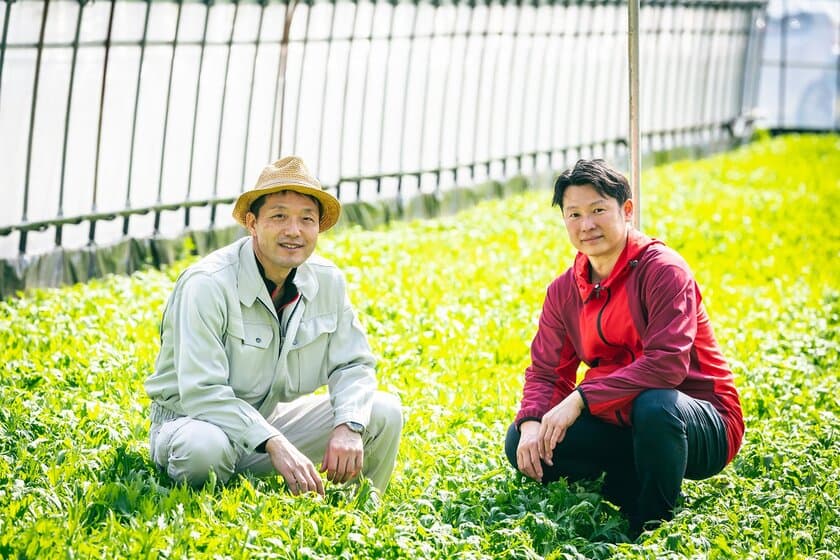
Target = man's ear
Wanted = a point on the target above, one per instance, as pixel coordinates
(250, 223)
(627, 207)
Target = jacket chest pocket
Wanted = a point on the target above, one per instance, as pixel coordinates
(252, 359)
(308, 359)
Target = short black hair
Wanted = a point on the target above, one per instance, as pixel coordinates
(260, 201)
(606, 181)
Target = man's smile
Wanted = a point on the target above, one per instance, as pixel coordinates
(591, 239)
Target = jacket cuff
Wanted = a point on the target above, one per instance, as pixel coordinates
(255, 438)
(529, 413)
(583, 397)
(344, 416)
(520, 421)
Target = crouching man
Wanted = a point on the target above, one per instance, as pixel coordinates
(247, 335)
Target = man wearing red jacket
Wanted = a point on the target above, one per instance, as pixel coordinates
(657, 402)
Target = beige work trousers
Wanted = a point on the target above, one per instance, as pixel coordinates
(188, 449)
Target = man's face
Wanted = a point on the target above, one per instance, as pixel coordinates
(285, 231)
(596, 224)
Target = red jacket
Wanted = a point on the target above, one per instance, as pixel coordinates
(644, 327)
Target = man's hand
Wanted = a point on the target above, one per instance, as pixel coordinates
(528, 452)
(298, 471)
(344, 456)
(537, 440)
(555, 423)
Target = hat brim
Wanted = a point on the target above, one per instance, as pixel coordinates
(330, 206)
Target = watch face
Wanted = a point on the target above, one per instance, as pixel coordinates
(356, 427)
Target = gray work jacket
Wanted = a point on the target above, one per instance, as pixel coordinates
(228, 359)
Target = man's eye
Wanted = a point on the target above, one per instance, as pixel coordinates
(278, 216)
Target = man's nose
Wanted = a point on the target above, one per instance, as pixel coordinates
(587, 223)
(292, 228)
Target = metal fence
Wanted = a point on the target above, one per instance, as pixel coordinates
(144, 119)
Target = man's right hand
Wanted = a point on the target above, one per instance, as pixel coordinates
(528, 452)
(298, 471)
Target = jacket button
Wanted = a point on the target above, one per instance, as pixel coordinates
(259, 340)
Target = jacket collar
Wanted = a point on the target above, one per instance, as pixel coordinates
(251, 286)
(637, 243)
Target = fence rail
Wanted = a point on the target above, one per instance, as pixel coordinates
(124, 119)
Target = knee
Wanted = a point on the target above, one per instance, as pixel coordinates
(512, 444)
(386, 414)
(196, 452)
(655, 410)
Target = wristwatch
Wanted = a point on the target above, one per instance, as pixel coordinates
(355, 427)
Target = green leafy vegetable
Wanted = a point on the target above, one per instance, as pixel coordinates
(450, 306)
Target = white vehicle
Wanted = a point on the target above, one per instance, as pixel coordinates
(801, 62)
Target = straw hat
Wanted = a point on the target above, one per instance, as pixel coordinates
(289, 174)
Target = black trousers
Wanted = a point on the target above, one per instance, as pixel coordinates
(673, 436)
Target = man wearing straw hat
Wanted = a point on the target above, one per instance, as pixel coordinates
(253, 329)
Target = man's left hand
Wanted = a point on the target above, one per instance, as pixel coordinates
(344, 455)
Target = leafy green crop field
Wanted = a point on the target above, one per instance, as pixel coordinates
(451, 306)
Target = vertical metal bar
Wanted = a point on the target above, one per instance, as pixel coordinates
(460, 102)
(166, 117)
(526, 82)
(718, 81)
(58, 228)
(280, 84)
(365, 73)
(660, 79)
(602, 37)
(709, 30)
(699, 15)
(749, 78)
(213, 206)
(426, 83)
(257, 44)
(674, 73)
(448, 65)
(681, 77)
(320, 127)
(134, 120)
(304, 42)
(562, 39)
(195, 112)
(92, 230)
(747, 83)
(32, 111)
(540, 85)
(4, 39)
(747, 40)
(614, 97)
(836, 93)
(730, 59)
(480, 92)
(585, 34)
(635, 136)
(511, 66)
(494, 72)
(346, 82)
(388, 52)
(570, 79)
(783, 27)
(604, 81)
(402, 141)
